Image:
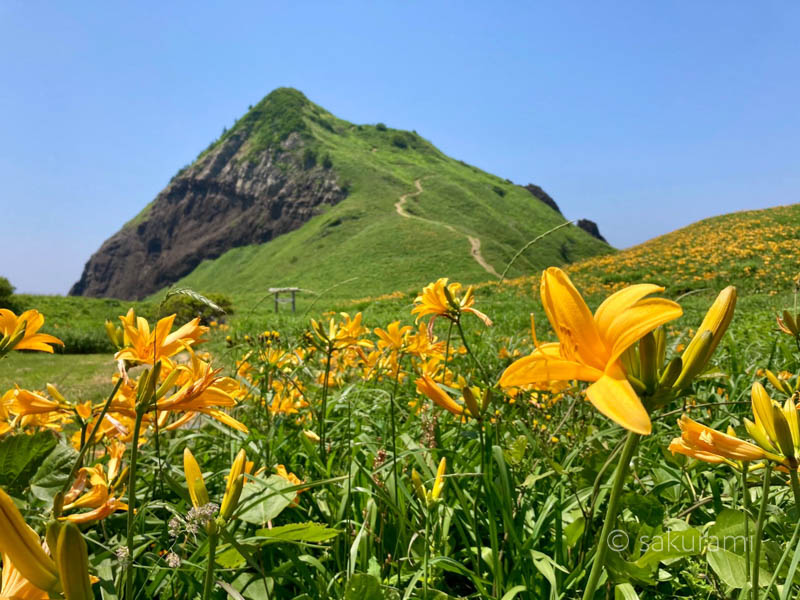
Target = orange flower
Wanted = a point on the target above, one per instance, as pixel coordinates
(15, 587)
(144, 346)
(440, 299)
(20, 333)
(709, 445)
(590, 347)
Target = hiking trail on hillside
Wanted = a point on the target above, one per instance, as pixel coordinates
(474, 242)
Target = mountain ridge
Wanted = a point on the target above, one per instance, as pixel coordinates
(290, 166)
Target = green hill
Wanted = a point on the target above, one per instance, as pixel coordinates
(410, 214)
(758, 251)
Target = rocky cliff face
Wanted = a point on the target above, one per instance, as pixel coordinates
(227, 198)
(588, 226)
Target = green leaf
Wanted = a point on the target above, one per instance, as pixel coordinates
(673, 544)
(363, 587)
(298, 532)
(516, 451)
(263, 502)
(647, 508)
(625, 591)
(729, 567)
(20, 456)
(52, 474)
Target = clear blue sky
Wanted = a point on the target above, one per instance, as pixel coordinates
(643, 116)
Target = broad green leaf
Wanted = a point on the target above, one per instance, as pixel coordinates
(363, 587)
(52, 474)
(673, 544)
(262, 502)
(298, 532)
(729, 567)
(20, 456)
(647, 508)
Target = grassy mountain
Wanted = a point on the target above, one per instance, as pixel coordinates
(757, 250)
(398, 213)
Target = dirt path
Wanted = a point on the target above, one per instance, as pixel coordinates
(474, 243)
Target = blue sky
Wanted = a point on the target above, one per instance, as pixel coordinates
(643, 116)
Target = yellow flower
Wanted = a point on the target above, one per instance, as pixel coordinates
(201, 391)
(340, 335)
(20, 333)
(709, 445)
(14, 586)
(589, 347)
(21, 544)
(194, 479)
(440, 299)
(144, 346)
(428, 387)
(281, 471)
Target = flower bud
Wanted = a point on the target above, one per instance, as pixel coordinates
(233, 487)
(648, 354)
(419, 487)
(694, 358)
(438, 483)
(788, 324)
(194, 479)
(671, 373)
(783, 435)
(72, 558)
(471, 402)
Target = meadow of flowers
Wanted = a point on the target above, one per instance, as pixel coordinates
(621, 457)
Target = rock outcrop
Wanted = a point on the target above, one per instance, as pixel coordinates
(540, 194)
(591, 228)
(227, 198)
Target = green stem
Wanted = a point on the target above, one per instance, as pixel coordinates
(795, 535)
(208, 583)
(132, 502)
(323, 414)
(746, 506)
(425, 556)
(394, 472)
(486, 378)
(762, 513)
(628, 451)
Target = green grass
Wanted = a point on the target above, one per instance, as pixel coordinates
(78, 377)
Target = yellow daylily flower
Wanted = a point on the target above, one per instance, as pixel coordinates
(20, 332)
(13, 586)
(589, 347)
(21, 544)
(440, 299)
(709, 445)
(427, 386)
(144, 346)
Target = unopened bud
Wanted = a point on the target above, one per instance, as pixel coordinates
(72, 559)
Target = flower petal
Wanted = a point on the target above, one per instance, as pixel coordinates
(540, 367)
(637, 321)
(619, 302)
(571, 320)
(613, 396)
